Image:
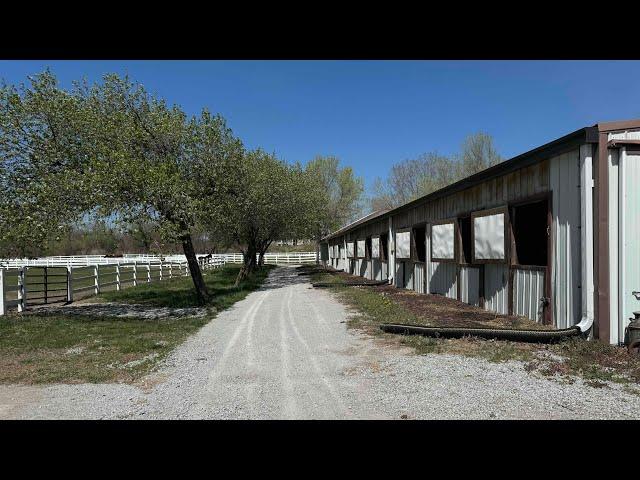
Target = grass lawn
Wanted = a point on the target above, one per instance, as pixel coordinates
(595, 362)
(76, 349)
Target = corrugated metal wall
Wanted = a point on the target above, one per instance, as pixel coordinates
(408, 275)
(560, 175)
(496, 288)
(365, 268)
(528, 288)
(376, 266)
(443, 279)
(418, 277)
(564, 179)
(470, 285)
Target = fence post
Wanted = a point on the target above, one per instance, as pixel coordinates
(135, 273)
(170, 270)
(118, 276)
(149, 271)
(160, 270)
(1, 291)
(69, 283)
(96, 274)
(22, 290)
(46, 283)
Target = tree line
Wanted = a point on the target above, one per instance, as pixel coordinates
(414, 178)
(112, 150)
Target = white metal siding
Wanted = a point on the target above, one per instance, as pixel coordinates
(418, 277)
(528, 288)
(443, 279)
(470, 285)
(631, 237)
(496, 282)
(613, 247)
(564, 180)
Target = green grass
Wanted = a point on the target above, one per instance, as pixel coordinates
(76, 349)
(179, 292)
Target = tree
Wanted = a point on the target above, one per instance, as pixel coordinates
(337, 195)
(110, 149)
(414, 178)
(266, 199)
(43, 169)
(478, 153)
(149, 157)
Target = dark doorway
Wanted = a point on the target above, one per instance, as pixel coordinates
(419, 243)
(465, 235)
(384, 247)
(529, 225)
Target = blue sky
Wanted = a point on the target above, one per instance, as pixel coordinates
(372, 114)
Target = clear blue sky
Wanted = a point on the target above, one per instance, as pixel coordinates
(372, 114)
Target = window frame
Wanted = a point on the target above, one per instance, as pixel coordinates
(432, 257)
(402, 230)
(376, 238)
(504, 209)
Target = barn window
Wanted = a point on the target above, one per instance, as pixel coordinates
(367, 247)
(403, 244)
(443, 245)
(384, 247)
(375, 247)
(419, 243)
(465, 236)
(360, 252)
(489, 235)
(350, 246)
(529, 225)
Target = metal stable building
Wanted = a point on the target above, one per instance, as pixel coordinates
(552, 234)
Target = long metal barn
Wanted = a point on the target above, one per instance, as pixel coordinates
(552, 234)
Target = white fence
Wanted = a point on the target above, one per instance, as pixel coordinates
(42, 284)
(53, 279)
(291, 258)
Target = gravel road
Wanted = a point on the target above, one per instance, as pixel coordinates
(285, 353)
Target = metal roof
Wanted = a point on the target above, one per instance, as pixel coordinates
(556, 147)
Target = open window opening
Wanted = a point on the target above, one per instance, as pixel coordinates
(420, 249)
(465, 238)
(367, 248)
(529, 226)
(384, 247)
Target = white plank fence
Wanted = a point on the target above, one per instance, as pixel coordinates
(55, 279)
(42, 284)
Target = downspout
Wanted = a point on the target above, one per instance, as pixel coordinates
(392, 254)
(586, 233)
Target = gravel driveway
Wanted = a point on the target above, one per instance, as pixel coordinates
(284, 352)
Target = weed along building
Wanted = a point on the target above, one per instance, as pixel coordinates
(552, 234)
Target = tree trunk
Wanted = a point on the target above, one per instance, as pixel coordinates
(248, 264)
(194, 268)
(263, 250)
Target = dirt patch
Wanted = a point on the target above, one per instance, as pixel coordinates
(440, 311)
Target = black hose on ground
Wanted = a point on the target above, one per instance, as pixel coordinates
(359, 284)
(537, 336)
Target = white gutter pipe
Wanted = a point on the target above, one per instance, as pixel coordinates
(586, 233)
